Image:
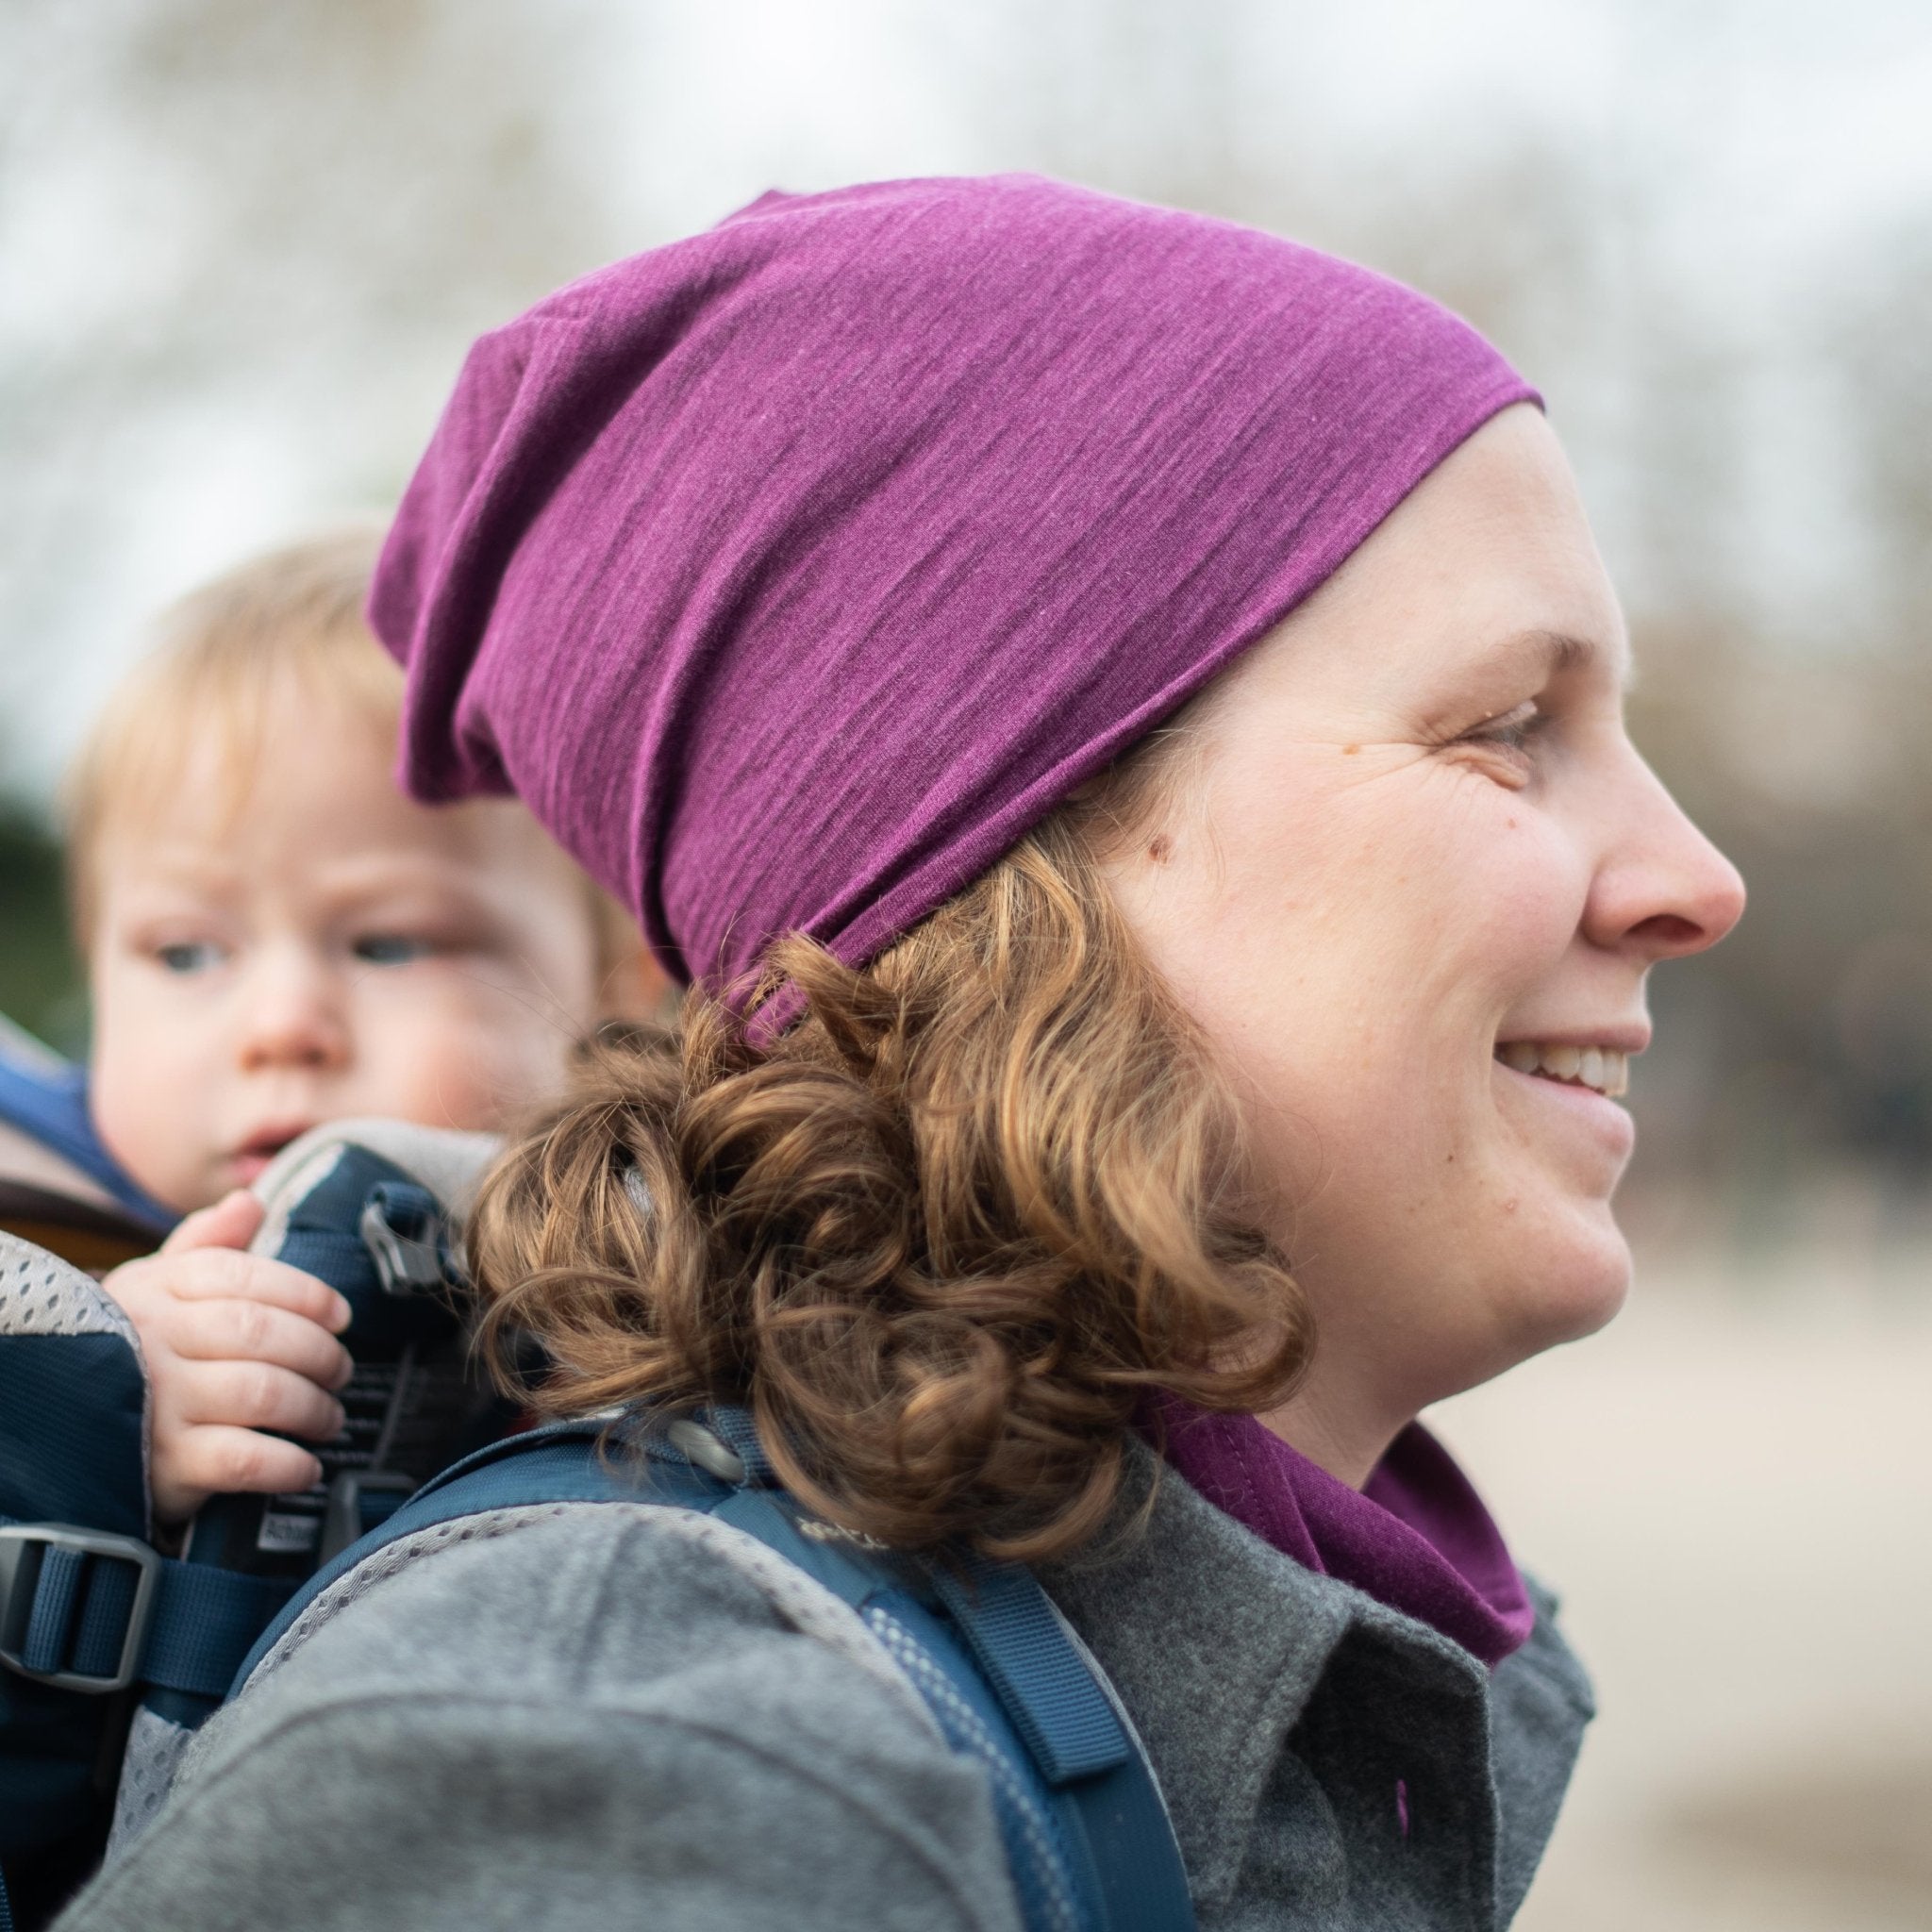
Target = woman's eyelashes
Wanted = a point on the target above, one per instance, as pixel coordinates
(1504, 742)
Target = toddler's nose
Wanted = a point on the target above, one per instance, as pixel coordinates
(293, 1019)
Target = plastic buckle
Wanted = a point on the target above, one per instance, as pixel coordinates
(706, 1450)
(341, 1518)
(407, 1259)
(23, 1552)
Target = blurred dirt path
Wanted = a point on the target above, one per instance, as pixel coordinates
(1732, 1490)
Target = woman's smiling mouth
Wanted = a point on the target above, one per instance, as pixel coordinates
(1604, 1069)
(1578, 1083)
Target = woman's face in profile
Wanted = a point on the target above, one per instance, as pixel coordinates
(1412, 890)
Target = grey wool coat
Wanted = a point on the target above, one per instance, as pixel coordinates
(591, 1716)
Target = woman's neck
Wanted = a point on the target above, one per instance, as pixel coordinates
(1336, 1429)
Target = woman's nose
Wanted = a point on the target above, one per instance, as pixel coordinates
(291, 1018)
(1664, 889)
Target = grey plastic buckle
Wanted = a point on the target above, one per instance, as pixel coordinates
(342, 1516)
(408, 1264)
(705, 1451)
(23, 1550)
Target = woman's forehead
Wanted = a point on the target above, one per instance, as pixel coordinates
(1487, 571)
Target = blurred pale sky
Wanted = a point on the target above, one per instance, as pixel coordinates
(243, 243)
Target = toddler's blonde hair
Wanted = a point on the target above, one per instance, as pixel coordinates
(288, 621)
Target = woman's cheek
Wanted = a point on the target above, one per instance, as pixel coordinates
(1531, 886)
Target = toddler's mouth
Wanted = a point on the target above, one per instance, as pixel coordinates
(250, 1156)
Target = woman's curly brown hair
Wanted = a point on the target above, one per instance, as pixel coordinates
(942, 1236)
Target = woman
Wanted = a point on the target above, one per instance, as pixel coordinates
(1122, 716)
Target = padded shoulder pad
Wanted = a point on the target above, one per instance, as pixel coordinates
(73, 1398)
(42, 1294)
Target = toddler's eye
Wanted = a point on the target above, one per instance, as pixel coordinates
(391, 949)
(187, 956)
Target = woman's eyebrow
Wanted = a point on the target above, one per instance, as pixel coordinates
(1562, 652)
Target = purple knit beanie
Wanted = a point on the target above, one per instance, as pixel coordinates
(790, 573)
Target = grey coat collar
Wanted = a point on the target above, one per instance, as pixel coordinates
(1221, 1648)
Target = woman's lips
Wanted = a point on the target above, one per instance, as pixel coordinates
(1606, 1121)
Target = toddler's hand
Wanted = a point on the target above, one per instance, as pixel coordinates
(235, 1344)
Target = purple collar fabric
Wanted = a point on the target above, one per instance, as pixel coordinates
(1416, 1537)
(792, 572)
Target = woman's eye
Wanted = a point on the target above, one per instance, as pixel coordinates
(187, 956)
(391, 949)
(1510, 730)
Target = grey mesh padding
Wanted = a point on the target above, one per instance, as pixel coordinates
(42, 1294)
(147, 1770)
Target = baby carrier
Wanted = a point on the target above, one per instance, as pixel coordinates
(107, 1645)
(112, 1653)
(59, 1187)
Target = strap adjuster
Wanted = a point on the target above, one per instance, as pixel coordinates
(402, 1227)
(343, 1519)
(31, 1568)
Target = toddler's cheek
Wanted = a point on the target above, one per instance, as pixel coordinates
(147, 1121)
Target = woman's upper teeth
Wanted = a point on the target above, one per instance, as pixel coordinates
(1605, 1068)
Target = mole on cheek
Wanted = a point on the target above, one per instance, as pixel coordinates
(1349, 751)
(1161, 849)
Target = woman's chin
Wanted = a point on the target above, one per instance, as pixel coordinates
(1581, 1283)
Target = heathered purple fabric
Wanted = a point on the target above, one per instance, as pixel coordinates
(1415, 1537)
(791, 572)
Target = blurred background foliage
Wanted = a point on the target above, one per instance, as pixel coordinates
(40, 976)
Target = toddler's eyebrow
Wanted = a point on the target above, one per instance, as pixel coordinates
(191, 867)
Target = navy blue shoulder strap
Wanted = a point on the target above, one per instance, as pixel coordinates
(45, 1097)
(1088, 1837)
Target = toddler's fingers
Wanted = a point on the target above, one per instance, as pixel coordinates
(216, 1459)
(238, 1331)
(230, 1223)
(256, 1395)
(220, 1274)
